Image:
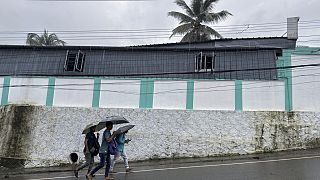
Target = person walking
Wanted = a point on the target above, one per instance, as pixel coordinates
(91, 144)
(104, 153)
(121, 141)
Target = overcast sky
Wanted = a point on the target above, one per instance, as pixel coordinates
(33, 16)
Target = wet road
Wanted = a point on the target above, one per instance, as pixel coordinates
(296, 168)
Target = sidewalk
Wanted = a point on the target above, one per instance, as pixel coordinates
(166, 162)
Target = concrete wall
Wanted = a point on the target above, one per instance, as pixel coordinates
(73, 92)
(299, 94)
(170, 94)
(120, 93)
(305, 83)
(263, 95)
(51, 134)
(218, 95)
(28, 91)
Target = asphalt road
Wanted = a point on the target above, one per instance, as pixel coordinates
(289, 168)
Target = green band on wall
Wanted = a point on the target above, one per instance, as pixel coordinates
(5, 90)
(238, 95)
(190, 94)
(50, 92)
(96, 93)
(286, 74)
(146, 93)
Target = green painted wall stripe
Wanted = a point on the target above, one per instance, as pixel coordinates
(238, 95)
(286, 74)
(150, 92)
(96, 92)
(50, 92)
(146, 93)
(190, 94)
(5, 90)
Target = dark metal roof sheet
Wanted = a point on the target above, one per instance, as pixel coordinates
(213, 40)
(209, 45)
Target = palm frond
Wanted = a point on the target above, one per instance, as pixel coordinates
(180, 16)
(182, 29)
(208, 5)
(206, 30)
(192, 24)
(216, 17)
(196, 6)
(32, 39)
(45, 39)
(184, 6)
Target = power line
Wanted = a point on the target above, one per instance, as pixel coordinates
(207, 89)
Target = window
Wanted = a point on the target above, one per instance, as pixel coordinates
(204, 62)
(74, 61)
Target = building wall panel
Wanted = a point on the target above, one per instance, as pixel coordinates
(73, 92)
(120, 93)
(170, 94)
(305, 83)
(263, 95)
(28, 91)
(214, 95)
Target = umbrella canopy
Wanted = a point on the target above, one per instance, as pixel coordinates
(124, 129)
(87, 128)
(113, 119)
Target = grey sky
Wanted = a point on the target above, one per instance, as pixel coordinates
(29, 16)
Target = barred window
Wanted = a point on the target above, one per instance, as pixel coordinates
(74, 61)
(204, 62)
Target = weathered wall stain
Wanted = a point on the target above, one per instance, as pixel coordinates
(284, 130)
(15, 131)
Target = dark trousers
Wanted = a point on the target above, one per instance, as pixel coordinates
(104, 158)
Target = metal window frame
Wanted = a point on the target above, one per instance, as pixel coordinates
(77, 61)
(65, 61)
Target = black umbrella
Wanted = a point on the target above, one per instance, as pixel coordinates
(113, 119)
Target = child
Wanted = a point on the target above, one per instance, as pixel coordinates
(121, 140)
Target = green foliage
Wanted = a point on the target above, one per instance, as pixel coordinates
(192, 22)
(45, 39)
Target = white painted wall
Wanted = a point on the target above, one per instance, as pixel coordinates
(35, 93)
(77, 95)
(306, 83)
(170, 94)
(1, 84)
(263, 95)
(214, 95)
(120, 93)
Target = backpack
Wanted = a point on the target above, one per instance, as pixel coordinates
(95, 146)
(95, 149)
(112, 147)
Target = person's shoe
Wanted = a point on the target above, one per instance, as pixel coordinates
(128, 169)
(112, 171)
(76, 173)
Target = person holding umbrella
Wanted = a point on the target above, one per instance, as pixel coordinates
(121, 140)
(91, 146)
(104, 153)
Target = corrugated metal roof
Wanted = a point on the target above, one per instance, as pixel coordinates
(164, 46)
(213, 40)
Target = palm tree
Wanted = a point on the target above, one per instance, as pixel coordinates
(45, 39)
(191, 23)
